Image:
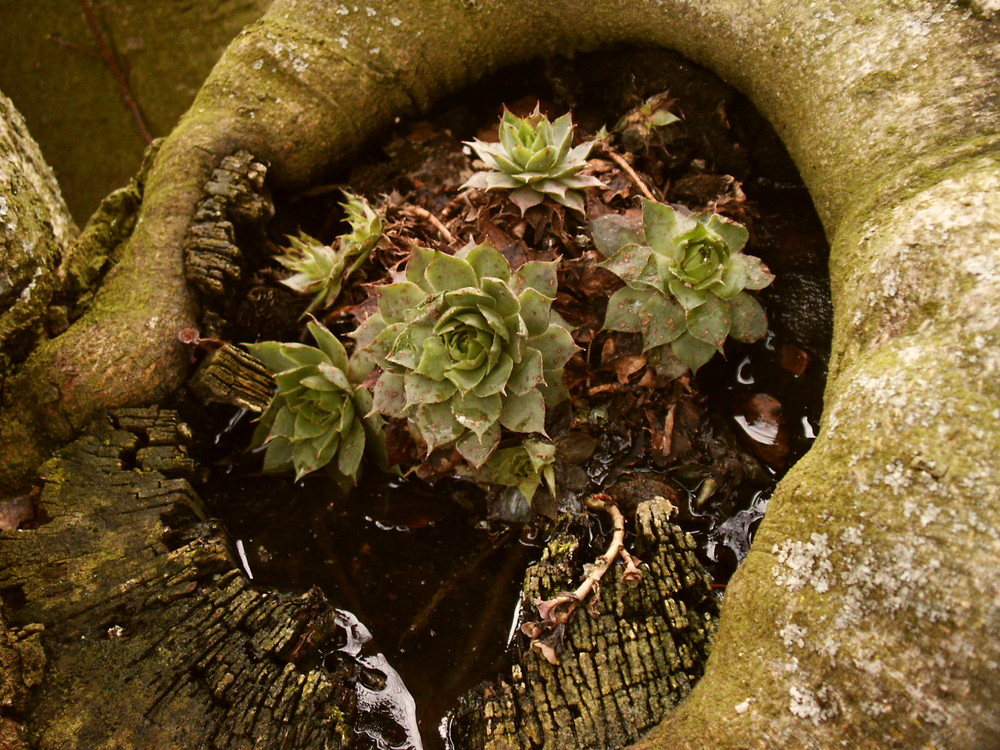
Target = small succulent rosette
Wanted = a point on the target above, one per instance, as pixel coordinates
(687, 281)
(466, 347)
(320, 269)
(535, 159)
(523, 466)
(318, 416)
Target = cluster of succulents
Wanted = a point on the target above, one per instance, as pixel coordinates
(320, 269)
(467, 346)
(319, 416)
(686, 281)
(534, 159)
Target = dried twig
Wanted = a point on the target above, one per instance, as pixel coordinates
(556, 612)
(107, 55)
(627, 168)
(426, 215)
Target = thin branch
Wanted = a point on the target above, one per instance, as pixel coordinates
(111, 60)
(557, 611)
(426, 215)
(81, 48)
(627, 168)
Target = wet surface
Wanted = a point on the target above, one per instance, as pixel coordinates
(435, 588)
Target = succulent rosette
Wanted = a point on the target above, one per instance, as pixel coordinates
(535, 159)
(320, 269)
(318, 416)
(523, 466)
(466, 347)
(686, 281)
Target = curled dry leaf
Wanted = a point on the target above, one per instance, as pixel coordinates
(547, 652)
(632, 575)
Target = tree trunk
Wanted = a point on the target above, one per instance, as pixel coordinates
(621, 668)
(35, 226)
(867, 610)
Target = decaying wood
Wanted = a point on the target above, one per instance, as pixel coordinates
(234, 201)
(22, 664)
(154, 638)
(232, 376)
(34, 229)
(619, 672)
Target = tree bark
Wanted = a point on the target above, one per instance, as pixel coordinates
(152, 637)
(623, 666)
(867, 610)
(35, 226)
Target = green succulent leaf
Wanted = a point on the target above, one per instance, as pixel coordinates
(535, 310)
(692, 352)
(476, 449)
(390, 395)
(272, 354)
(734, 278)
(396, 300)
(757, 274)
(556, 346)
(734, 235)
(488, 263)
(437, 425)
(351, 449)
(663, 225)
(662, 321)
(749, 320)
(527, 374)
(477, 413)
(368, 331)
(526, 196)
(416, 268)
(538, 275)
(524, 413)
(688, 297)
(329, 345)
(710, 321)
(629, 263)
(612, 232)
(662, 117)
(420, 389)
(626, 308)
(447, 273)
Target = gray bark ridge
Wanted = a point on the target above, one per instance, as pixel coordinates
(35, 226)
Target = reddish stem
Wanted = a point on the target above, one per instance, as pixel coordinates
(111, 60)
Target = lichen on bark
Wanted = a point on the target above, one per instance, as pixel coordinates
(35, 226)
